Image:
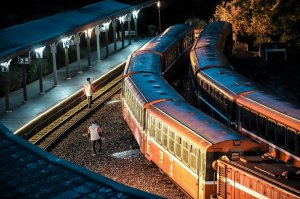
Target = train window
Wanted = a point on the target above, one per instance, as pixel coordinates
(253, 122)
(280, 135)
(291, 140)
(152, 129)
(165, 136)
(262, 122)
(193, 158)
(158, 131)
(298, 144)
(185, 152)
(245, 118)
(271, 130)
(178, 141)
(171, 141)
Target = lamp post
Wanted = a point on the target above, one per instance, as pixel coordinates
(39, 56)
(159, 20)
(105, 28)
(66, 46)
(5, 68)
(24, 61)
(122, 21)
(135, 17)
(88, 34)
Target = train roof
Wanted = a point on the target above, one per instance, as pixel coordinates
(208, 128)
(269, 170)
(27, 171)
(214, 35)
(162, 42)
(230, 81)
(151, 88)
(208, 57)
(280, 107)
(144, 62)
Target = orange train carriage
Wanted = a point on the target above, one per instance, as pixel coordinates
(250, 177)
(177, 137)
(238, 101)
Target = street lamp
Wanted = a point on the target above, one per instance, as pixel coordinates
(135, 16)
(66, 45)
(39, 56)
(5, 68)
(88, 35)
(105, 28)
(159, 21)
(122, 21)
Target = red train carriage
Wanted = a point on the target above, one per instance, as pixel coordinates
(184, 142)
(256, 177)
(241, 103)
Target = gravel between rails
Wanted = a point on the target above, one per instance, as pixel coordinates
(130, 167)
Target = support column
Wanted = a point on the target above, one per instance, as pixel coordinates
(106, 42)
(67, 62)
(53, 52)
(97, 31)
(40, 62)
(135, 17)
(6, 92)
(128, 19)
(114, 25)
(77, 42)
(88, 35)
(24, 81)
(122, 33)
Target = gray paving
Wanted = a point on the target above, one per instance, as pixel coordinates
(22, 112)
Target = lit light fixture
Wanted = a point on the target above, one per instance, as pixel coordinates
(5, 66)
(158, 4)
(88, 33)
(122, 19)
(39, 52)
(135, 14)
(105, 26)
(66, 42)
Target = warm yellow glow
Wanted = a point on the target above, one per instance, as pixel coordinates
(158, 4)
(88, 33)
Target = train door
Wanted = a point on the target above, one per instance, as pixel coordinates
(149, 131)
(236, 180)
(228, 188)
(201, 174)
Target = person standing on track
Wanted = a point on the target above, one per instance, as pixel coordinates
(95, 135)
(88, 90)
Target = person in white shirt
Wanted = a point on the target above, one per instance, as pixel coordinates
(88, 90)
(95, 135)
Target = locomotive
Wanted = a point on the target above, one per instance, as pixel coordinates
(239, 102)
(176, 136)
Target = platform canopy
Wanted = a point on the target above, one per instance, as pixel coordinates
(22, 38)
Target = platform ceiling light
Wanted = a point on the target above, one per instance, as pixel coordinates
(135, 14)
(39, 52)
(105, 26)
(5, 66)
(158, 4)
(122, 19)
(66, 42)
(88, 33)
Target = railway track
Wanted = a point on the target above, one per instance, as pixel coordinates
(52, 132)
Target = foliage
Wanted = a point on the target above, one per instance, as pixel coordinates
(198, 23)
(265, 21)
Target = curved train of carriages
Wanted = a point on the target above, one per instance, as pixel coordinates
(182, 141)
(244, 105)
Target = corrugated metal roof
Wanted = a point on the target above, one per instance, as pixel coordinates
(30, 172)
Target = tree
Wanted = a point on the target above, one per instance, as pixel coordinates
(265, 21)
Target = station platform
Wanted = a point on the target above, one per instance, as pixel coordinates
(23, 112)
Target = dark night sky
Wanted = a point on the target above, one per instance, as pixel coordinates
(172, 11)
